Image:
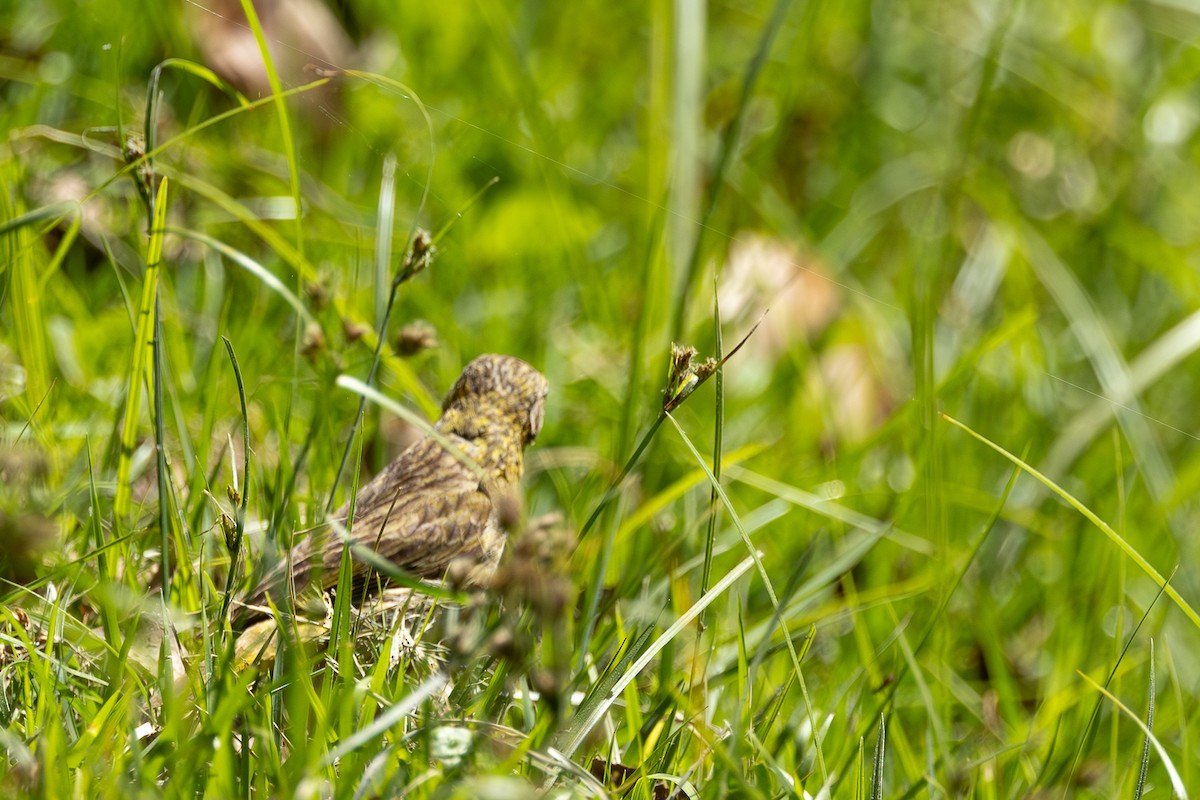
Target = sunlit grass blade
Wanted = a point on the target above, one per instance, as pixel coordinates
(384, 219)
(825, 507)
(388, 719)
(139, 376)
(19, 251)
(285, 124)
(591, 601)
(663, 501)
(264, 276)
(1177, 785)
(1157, 360)
(1091, 516)
(588, 717)
(767, 583)
(1097, 341)
(1089, 730)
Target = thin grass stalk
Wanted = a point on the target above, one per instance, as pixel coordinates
(718, 434)
(1140, 787)
(1089, 730)
(584, 722)
(1177, 786)
(409, 268)
(729, 143)
(242, 492)
(591, 601)
(160, 447)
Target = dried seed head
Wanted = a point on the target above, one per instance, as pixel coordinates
(508, 510)
(314, 342)
(459, 572)
(133, 149)
(683, 376)
(229, 530)
(353, 330)
(318, 294)
(415, 337)
(419, 256)
(681, 379)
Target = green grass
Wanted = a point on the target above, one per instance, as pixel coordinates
(928, 533)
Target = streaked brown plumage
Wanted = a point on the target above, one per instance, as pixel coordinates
(428, 509)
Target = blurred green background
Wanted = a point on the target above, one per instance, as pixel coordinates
(985, 209)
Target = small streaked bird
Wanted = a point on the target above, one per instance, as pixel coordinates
(431, 509)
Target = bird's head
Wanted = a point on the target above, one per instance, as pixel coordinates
(497, 398)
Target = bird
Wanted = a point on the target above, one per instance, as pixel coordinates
(441, 505)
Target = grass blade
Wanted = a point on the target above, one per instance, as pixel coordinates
(1177, 786)
(139, 369)
(583, 723)
(1140, 788)
(1091, 516)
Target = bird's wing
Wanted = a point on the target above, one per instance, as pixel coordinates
(425, 510)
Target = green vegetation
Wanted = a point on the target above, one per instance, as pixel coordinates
(912, 540)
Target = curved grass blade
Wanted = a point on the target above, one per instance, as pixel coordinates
(256, 269)
(285, 124)
(55, 212)
(394, 714)
(1176, 781)
(588, 717)
(1089, 730)
(1091, 516)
